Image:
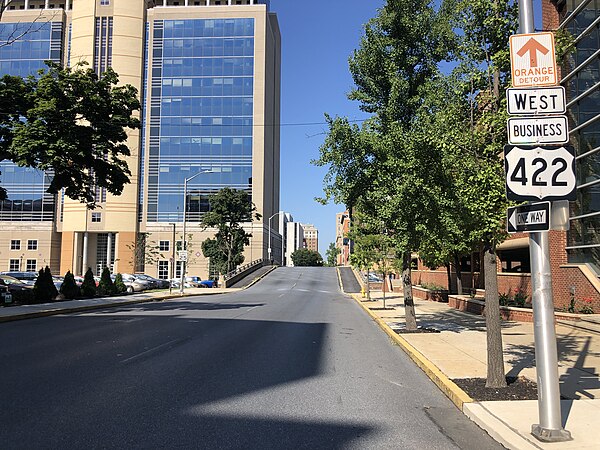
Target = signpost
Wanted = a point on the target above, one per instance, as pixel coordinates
(535, 217)
(538, 130)
(545, 173)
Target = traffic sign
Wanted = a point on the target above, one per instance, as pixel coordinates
(532, 101)
(182, 255)
(540, 172)
(538, 130)
(535, 217)
(533, 59)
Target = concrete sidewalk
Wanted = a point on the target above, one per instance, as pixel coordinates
(10, 313)
(459, 351)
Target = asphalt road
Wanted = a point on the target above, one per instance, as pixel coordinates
(289, 363)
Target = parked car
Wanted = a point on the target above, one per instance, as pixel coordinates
(155, 282)
(58, 281)
(134, 283)
(26, 277)
(374, 278)
(13, 284)
(209, 283)
(5, 294)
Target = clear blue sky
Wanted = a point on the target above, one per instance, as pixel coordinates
(317, 39)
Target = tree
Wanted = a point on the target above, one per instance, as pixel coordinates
(88, 287)
(119, 284)
(332, 254)
(143, 251)
(303, 257)
(72, 122)
(69, 287)
(106, 285)
(229, 208)
(44, 289)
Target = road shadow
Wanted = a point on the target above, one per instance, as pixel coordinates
(454, 321)
(163, 382)
(175, 305)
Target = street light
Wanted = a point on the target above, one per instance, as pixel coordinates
(269, 249)
(184, 240)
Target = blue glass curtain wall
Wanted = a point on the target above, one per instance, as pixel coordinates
(26, 187)
(201, 113)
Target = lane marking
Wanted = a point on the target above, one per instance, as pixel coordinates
(145, 352)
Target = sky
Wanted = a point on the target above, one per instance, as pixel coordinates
(317, 38)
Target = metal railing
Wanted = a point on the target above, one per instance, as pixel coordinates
(244, 268)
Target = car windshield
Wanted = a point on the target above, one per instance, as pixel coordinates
(10, 280)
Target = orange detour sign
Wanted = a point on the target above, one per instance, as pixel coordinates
(533, 60)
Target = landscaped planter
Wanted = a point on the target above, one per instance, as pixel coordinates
(431, 295)
(474, 306)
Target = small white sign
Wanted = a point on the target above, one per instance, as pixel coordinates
(533, 101)
(533, 59)
(538, 130)
(182, 255)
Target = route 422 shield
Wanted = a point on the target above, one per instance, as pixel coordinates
(540, 172)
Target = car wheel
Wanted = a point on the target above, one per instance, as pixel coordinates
(130, 289)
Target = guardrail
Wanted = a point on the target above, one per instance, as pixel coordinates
(244, 268)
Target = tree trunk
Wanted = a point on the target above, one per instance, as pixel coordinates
(449, 275)
(409, 305)
(496, 377)
(457, 269)
(383, 288)
(368, 286)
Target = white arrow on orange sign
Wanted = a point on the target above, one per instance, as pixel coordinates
(533, 60)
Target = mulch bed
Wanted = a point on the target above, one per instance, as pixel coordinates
(418, 330)
(381, 309)
(518, 388)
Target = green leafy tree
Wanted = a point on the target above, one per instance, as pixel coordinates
(88, 287)
(69, 288)
(303, 257)
(44, 289)
(73, 122)
(229, 209)
(106, 286)
(120, 287)
(332, 254)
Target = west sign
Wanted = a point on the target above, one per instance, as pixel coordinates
(533, 60)
(534, 101)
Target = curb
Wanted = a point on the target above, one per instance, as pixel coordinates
(445, 384)
(257, 279)
(55, 311)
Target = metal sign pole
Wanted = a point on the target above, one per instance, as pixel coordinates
(546, 359)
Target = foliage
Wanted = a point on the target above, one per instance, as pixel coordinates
(303, 257)
(120, 287)
(432, 287)
(69, 288)
(332, 254)
(229, 208)
(106, 285)
(44, 290)
(88, 287)
(72, 122)
(518, 298)
(143, 251)
(24, 297)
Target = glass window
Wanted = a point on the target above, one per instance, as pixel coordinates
(178, 266)
(14, 265)
(163, 270)
(164, 246)
(15, 244)
(32, 244)
(96, 217)
(31, 265)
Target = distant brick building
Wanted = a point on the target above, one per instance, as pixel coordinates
(311, 237)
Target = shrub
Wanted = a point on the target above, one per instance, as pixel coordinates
(120, 287)
(106, 285)
(88, 287)
(24, 297)
(69, 287)
(44, 289)
(305, 257)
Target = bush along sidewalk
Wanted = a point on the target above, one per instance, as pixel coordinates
(44, 290)
(106, 285)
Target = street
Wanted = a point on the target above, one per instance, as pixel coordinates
(289, 363)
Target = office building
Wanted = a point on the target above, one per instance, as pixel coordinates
(208, 74)
(294, 241)
(311, 237)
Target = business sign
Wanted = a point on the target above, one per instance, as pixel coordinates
(540, 172)
(533, 60)
(538, 130)
(535, 217)
(533, 101)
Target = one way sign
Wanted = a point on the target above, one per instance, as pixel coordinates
(526, 218)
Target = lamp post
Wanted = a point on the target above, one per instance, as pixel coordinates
(172, 261)
(184, 240)
(269, 249)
